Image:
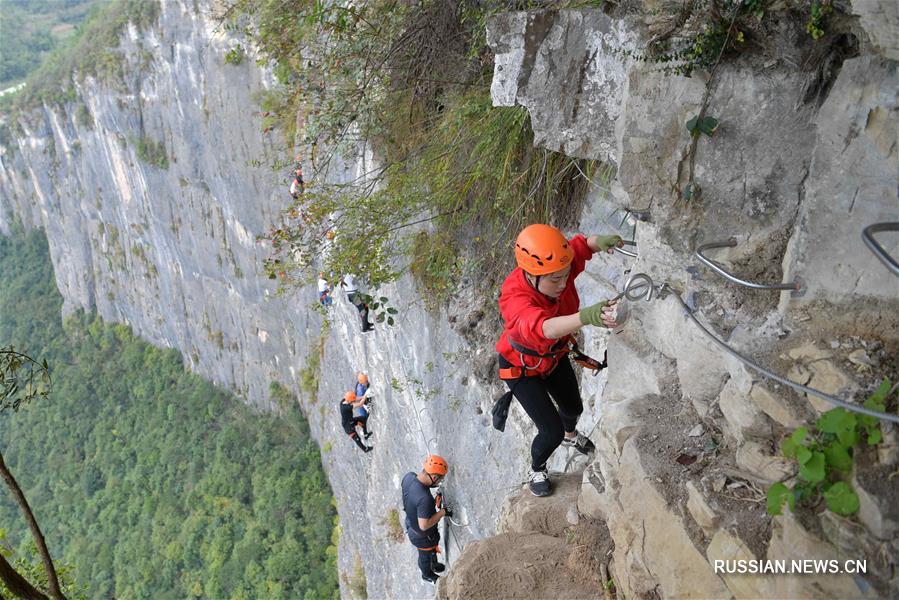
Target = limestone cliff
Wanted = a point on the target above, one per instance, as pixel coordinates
(171, 249)
(802, 161)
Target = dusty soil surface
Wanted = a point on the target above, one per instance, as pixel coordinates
(540, 553)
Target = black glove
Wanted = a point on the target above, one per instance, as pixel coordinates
(447, 511)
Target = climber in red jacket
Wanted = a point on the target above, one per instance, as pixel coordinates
(541, 309)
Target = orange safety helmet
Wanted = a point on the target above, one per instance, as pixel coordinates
(329, 234)
(349, 397)
(541, 249)
(363, 378)
(435, 465)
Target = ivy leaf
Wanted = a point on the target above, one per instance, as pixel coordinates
(777, 495)
(841, 499)
(841, 423)
(390, 321)
(877, 402)
(380, 318)
(813, 470)
(803, 455)
(848, 437)
(835, 420)
(691, 124)
(878, 398)
(708, 126)
(792, 443)
(838, 457)
(874, 436)
(392, 310)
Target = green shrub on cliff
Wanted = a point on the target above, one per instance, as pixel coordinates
(413, 82)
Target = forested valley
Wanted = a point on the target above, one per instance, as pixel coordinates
(147, 480)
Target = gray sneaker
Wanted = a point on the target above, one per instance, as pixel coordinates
(579, 442)
(538, 482)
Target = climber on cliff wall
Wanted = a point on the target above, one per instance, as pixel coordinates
(355, 297)
(362, 385)
(297, 186)
(541, 309)
(360, 408)
(423, 513)
(324, 291)
(350, 422)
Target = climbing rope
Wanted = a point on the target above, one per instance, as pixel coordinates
(641, 286)
(774, 376)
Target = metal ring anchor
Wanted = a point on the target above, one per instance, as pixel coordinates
(875, 247)
(638, 286)
(626, 252)
(795, 286)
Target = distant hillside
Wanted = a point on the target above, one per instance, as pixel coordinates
(30, 29)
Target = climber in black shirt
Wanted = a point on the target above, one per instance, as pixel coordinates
(423, 513)
(349, 422)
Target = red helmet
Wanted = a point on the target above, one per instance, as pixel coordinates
(541, 249)
(435, 465)
(350, 397)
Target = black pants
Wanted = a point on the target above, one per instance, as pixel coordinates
(355, 437)
(355, 299)
(427, 560)
(533, 393)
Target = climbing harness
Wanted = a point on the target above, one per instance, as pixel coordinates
(795, 286)
(566, 345)
(875, 247)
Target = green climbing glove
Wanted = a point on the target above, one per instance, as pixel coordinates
(592, 315)
(607, 241)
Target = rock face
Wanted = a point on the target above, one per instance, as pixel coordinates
(794, 176)
(689, 436)
(172, 251)
(543, 549)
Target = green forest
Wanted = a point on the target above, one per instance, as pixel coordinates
(147, 480)
(30, 29)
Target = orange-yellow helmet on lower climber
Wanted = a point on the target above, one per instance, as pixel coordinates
(435, 465)
(350, 397)
(541, 249)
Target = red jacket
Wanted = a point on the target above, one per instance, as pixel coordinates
(524, 309)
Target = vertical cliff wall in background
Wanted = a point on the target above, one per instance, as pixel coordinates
(153, 189)
(802, 161)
